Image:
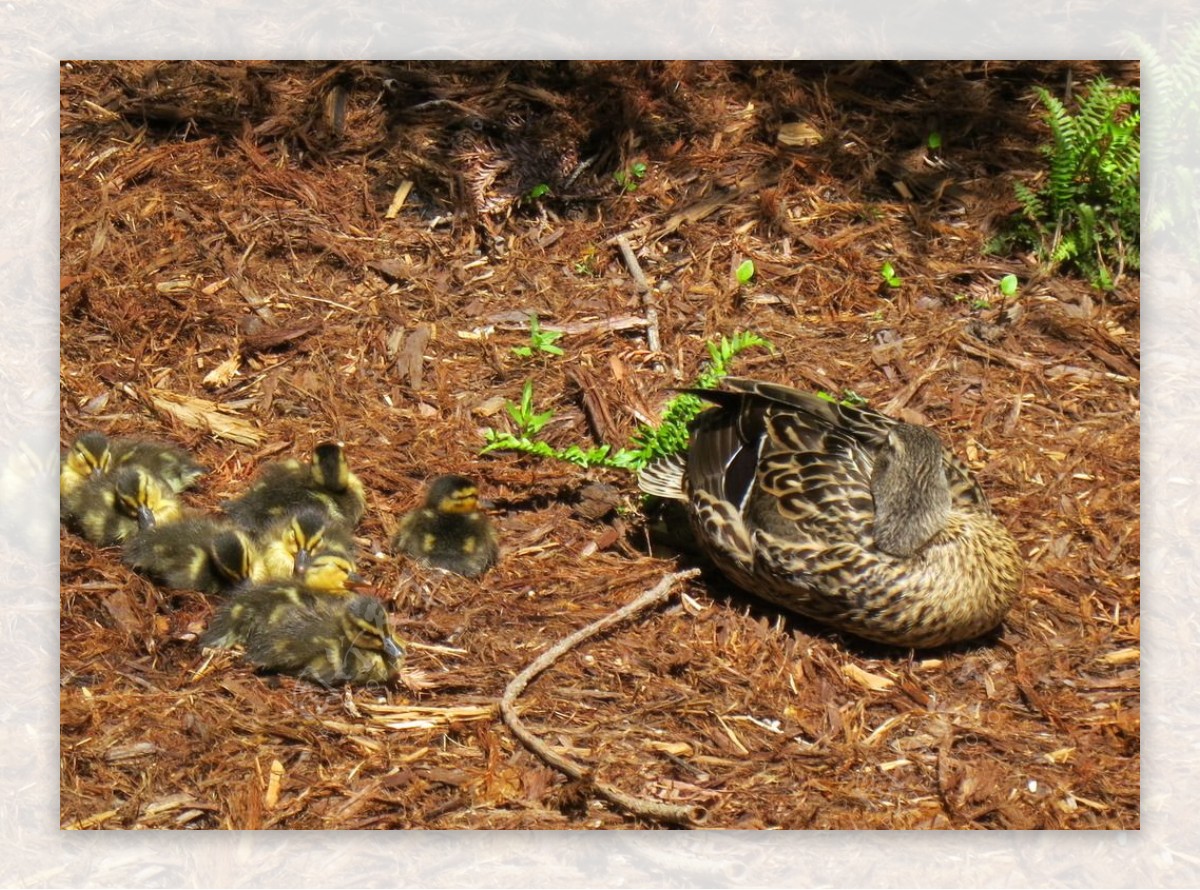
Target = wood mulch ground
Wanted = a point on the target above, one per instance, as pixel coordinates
(237, 279)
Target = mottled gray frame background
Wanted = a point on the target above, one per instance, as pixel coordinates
(36, 35)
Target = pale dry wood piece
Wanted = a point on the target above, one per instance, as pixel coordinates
(418, 717)
(519, 321)
(1029, 366)
(398, 199)
(706, 206)
(639, 806)
(635, 269)
(201, 414)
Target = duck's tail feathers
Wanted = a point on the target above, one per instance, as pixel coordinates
(664, 477)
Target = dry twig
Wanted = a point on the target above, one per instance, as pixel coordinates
(639, 806)
(635, 269)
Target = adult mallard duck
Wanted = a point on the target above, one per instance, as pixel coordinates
(285, 487)
(109, 509)
(842, 514)
(297, 629)
(450, 531)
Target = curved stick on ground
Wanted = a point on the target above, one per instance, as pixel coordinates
(639, 806)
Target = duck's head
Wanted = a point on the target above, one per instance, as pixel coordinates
(232, 556)
(331, 573)
(452, 494)
(911, 492)
(304, 536)
(365, 624)
(89, 455)
(139, 496)
(329, 467)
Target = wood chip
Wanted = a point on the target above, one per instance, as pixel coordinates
(117, 753)
(223, 373)
(411, 358)
(796, 134)
(398, 199)
(873, 682)
(271, 798)
(201, 414)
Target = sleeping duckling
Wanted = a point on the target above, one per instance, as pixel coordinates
(287, 486)
(87, 459)
(449, 531)
(299, 630)
(115, 507)
(196, 553)
(92, 454)
(170, 465)
(289, 545)
(332, 574)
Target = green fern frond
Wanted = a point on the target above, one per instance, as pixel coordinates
(1087, 211)
(1031, 204)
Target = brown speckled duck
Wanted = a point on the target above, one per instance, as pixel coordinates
(842, 514)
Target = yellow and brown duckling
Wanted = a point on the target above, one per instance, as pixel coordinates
(300, 630)
(450, 531)
(87, 459)
(285, 487)
(167, 463)
(92, 454)
(842, 514)
(109, 509)
(290, 544)
(196, 553)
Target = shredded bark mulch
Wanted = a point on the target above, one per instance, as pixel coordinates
(260, 256)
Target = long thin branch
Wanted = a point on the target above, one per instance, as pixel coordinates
(639, 806)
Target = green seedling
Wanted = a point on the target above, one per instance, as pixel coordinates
(745, 272)
(849, 398)
(888, 273)
(1008, 285)
(648, 443)
(529, 422)
(542, 341)
(628, 179)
